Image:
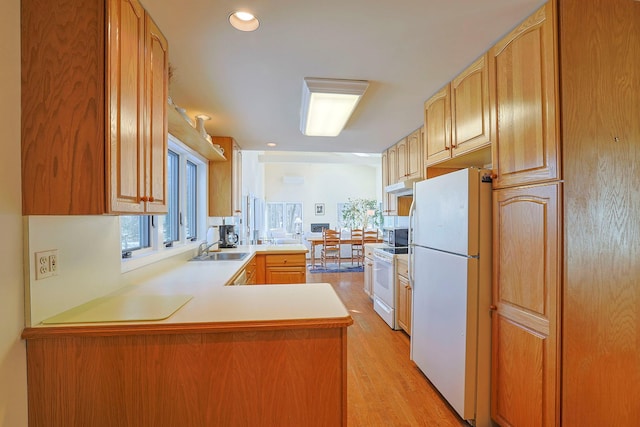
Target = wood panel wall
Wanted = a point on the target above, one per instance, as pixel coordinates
(600, 75)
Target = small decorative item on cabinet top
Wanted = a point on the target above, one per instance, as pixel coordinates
(319, 208)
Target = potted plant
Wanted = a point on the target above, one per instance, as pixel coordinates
(361, 213)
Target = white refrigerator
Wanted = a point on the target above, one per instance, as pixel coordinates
(450, 271)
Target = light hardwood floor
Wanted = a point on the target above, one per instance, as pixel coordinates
(384, 388)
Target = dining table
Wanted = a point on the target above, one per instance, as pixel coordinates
(315, 241)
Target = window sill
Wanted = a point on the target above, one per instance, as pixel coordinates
(148, 258)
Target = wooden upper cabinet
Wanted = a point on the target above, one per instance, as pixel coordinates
(389, 161)
(225, 180)
(457, 118)
(388, 200)
(126, 74)
(437, 126)
(414, 154)
(527, 227)
(401, 158)
(157, 92)
(470, 118)
(523, 89)
(409, 152)
(94, 141)
(138, 72)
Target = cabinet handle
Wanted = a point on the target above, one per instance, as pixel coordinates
(492, 307)
(151, 199)
(446, 147)
(144, 198)
(494, 176)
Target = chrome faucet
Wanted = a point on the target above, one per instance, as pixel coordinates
(203, 248)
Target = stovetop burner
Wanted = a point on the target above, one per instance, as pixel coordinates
(396, 250)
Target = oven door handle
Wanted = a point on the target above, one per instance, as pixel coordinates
(381, 258)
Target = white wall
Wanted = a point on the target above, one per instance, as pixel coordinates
(328, 183)
(13, 372)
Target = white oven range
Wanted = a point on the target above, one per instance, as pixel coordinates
(384, 283)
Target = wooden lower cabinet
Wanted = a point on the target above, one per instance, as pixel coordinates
(288, 268)
(405, 296)
(293, 376)
(368, 276)
(250, 271)
(286, 275)
(525, 383)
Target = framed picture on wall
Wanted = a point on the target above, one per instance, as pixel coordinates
(319, 208)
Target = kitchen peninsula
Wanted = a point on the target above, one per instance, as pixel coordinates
(231, 355)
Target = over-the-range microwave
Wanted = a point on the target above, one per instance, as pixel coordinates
(396, 237)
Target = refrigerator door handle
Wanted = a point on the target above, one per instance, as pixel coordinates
(410, 232)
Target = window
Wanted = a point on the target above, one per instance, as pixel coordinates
(134, 232)
(191, 208)
(186, 204)
(283, 215)
(172, 219)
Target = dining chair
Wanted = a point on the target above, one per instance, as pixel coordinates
(357, 249)
(369, 236)
(330, 247)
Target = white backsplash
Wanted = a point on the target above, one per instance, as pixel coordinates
(89, 263)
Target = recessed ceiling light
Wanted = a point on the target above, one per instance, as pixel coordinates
(361, 154)
(244, 21)
(271, 144)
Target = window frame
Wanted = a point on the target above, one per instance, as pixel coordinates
(158, 248)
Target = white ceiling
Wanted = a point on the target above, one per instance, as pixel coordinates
(250, 83)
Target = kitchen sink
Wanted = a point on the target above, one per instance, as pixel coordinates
(221, 256)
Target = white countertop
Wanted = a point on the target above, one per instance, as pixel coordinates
(213, 302)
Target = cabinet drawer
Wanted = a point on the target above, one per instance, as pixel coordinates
(286, 259)
(368, 250)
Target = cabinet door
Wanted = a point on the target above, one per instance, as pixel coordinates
(126, 71)
(526, 299)
(236, 183)
(404, 311)
(437, 126)
(368, 276)
(401, 157)
(470, 108)
(222, 191)
(156, 118)
(414, 154)
(522, 77)
(285, 275)
(385, 181)
(392, 163)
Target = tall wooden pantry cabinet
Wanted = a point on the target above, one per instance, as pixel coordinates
(566, 300)
(527, 226)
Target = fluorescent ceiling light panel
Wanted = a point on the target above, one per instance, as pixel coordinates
(327, 104)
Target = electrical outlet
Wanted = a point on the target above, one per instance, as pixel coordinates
(46, 264)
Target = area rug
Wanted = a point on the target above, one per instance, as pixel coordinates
(333, 268)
